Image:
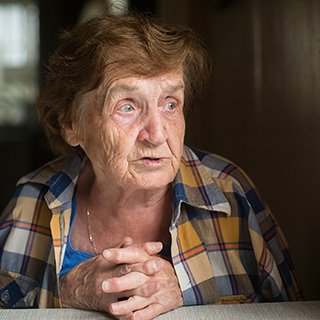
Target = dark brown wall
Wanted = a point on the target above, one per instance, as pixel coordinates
(263, 109)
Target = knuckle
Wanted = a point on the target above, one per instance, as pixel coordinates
(139, 278)
(150, 289)
(125, 269)
(136, 252)
(150, 267)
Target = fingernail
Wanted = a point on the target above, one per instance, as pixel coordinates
(158, 264)
(105, 286)
(157, 245)
(107, 254)
(114, 307)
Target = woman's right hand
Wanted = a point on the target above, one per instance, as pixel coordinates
(82, 286)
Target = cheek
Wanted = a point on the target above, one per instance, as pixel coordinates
(95, 141)
(117, 142)
(89, 137)
(178, 132)
(182, 129)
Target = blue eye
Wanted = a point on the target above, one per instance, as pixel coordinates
(126, 108)
(170, 106)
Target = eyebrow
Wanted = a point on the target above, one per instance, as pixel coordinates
(122, 87)
(127, 88)
(178, 87)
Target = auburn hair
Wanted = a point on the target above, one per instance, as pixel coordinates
(110, 47)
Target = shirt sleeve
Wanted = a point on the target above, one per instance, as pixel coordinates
(272, 252)
(25, 242)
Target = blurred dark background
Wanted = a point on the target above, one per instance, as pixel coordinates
(261, 111)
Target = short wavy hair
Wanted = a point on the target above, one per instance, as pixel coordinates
(110, 47)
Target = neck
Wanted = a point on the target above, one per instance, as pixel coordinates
(144, 215)
(122, 200)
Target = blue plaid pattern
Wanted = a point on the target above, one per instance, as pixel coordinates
(226, 245)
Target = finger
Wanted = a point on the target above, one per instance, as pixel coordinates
(148, 289)
(130, 305)
(130, 281)
(150, 312)
(149, 267)
(130, 254)
(152, 248)
(127, 241)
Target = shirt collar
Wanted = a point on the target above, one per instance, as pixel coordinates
(194, 186)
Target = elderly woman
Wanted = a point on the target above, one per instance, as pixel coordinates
(129, 220)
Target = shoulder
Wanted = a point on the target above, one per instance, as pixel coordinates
(49, 173)
(43, 174)
(44, 185)
(218, 167)
(228, 176)
(212, 161)
(30, 192)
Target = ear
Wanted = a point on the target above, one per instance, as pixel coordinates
(70, 134)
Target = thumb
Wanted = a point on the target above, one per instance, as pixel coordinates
(126, 242)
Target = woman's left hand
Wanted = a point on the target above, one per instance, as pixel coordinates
(158, 273)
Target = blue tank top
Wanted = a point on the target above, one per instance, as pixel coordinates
(73, 257)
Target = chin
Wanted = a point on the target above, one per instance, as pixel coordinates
(155, 181)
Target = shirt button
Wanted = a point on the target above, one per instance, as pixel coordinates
(5, 296)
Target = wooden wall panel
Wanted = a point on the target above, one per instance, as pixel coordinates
(262, 109)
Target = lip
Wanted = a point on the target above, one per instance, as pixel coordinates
(152, 160)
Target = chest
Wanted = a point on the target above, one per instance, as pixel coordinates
(91, 232)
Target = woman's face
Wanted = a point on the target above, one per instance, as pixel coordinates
(137, 139)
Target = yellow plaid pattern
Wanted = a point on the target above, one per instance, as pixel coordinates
(226, 245)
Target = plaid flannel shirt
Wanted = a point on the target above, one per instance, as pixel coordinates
(226, 245)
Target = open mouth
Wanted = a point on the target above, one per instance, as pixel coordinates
(151, 159)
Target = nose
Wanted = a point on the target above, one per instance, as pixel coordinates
(154, 130)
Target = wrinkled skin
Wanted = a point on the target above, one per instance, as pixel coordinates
(129, 271)
(136, 140)
(133, 136)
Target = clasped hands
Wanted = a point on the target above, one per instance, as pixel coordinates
(128, 282)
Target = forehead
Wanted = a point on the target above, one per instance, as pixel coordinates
(167, 82)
